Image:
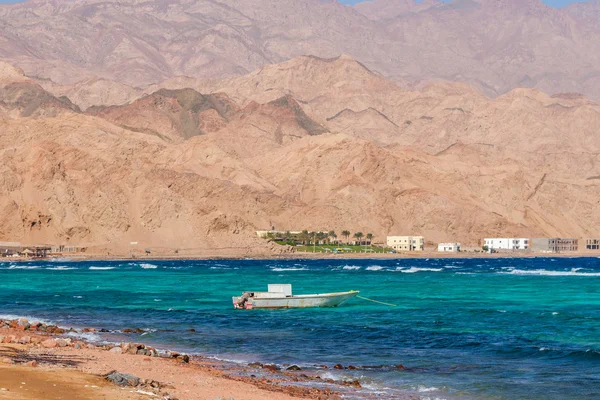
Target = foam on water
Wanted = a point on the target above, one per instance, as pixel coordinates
(544, 272)
(375, 268)
(101, 268)
(27, 317)
(61, 268)
(351, 267)
(148, 266)
(278, 269)
(413, 270)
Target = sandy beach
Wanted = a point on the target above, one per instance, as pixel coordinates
(40, 366)
(432, 254)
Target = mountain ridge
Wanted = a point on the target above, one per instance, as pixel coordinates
(507, 44)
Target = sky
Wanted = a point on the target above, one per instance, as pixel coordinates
(555, 3)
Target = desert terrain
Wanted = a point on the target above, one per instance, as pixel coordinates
(116, 139)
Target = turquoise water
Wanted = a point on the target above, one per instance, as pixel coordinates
(462, 328)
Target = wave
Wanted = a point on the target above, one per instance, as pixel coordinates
(101, 268)
(425, 389)
(148, 266)
(87, 336)
(29, 318)
(544, 272)
(351, 267)
(24, 267)
(413, 270)
(288, 269)
(61, 268)
(374, 268)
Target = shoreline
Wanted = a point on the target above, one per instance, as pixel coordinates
(308, 256)
(45, 354)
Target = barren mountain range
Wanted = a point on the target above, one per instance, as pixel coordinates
(196, 165)
(109, 47)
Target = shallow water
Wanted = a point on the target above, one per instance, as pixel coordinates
(462, 328)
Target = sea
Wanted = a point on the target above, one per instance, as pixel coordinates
(504, 328)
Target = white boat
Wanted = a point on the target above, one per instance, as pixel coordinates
(280, 296)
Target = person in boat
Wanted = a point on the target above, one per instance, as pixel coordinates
(245, 297)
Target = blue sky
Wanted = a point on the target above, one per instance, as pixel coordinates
(554, 3)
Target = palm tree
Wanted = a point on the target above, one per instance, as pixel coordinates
(359, 235)
(346, 234)
(304, 237)
(321, 236)
(332, 235)
(370, 238)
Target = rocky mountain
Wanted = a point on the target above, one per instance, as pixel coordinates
(195, 166)
(112, 47)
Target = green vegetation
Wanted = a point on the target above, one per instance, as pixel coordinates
(327, 242)
(328, 248)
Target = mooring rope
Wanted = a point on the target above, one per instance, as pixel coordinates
(375, 301)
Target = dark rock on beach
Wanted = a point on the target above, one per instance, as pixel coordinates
(122, 379)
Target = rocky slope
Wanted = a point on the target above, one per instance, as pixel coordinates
(493, 45)
(310, 143)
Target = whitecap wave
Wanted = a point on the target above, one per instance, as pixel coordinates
(61, 268)
(544, 272)
(413, 270)
(101, 268)
(351, 267)
(148, 266)
(374, 268)
(288, 269)
(24, 267)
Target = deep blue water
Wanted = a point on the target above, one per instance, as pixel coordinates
(463, 328)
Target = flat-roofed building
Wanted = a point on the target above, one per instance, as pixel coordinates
(554, 245)
(406, 243)
(449, 247)
(506, 243)
(592, 244)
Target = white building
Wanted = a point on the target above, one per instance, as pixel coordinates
(406, 243)
(449, 247)
(506, 243)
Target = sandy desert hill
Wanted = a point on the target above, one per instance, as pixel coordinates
(309, 143)
(116, 46)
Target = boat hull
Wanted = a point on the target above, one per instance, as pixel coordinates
(302, 301)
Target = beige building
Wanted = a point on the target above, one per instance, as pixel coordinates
(592, 244)
(554, 245)
(406, 243)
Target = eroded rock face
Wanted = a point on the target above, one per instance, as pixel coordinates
(445, 162)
